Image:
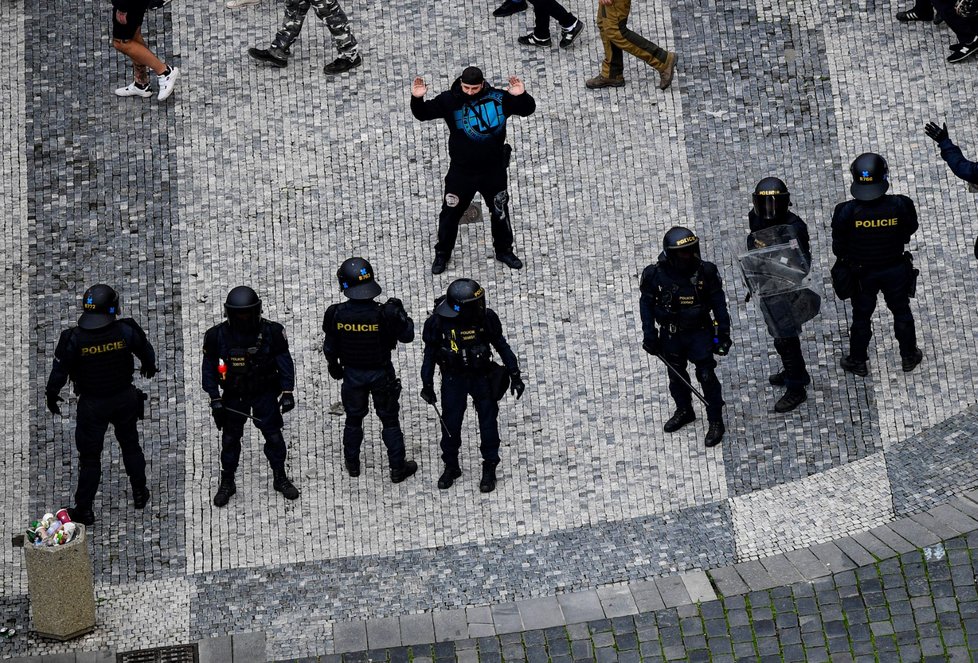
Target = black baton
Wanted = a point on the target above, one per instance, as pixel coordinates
(682, 379)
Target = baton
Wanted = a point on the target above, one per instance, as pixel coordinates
(682, 379)
(251, 417)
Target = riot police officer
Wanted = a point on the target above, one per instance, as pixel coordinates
(97, 357)
(773, 225)
(683, 295)
(248, 373)
(459, 337)
(360, 335)
(868, 238)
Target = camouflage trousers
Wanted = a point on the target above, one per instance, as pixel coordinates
(329, 12)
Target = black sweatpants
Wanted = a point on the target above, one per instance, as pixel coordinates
(460, 188)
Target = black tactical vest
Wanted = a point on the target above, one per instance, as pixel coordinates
(463, 347)
(249, 368)
(104, 361)
(361, 336)
(680, 303)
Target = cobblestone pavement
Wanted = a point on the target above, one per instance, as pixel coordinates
(273, 177)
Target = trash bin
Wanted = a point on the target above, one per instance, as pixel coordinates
(61, 588)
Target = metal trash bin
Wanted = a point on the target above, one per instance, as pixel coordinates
(61, 588)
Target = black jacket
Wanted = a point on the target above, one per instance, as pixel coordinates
(99, 361)
(685, 302)
(873, 233)
(793, 220)
(352, 339)
(477, 124)
(270, 369)
(437, 344)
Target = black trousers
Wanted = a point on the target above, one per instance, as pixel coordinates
(895, 283)
(544, 10)
(460, 188)
(94, 415)
(965, 29)
(266, 409)
(694, 346)
(359, 385)
(795, 374)
(455, 391)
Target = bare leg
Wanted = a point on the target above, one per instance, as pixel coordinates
(135, 49)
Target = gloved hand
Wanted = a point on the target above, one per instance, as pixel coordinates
(335, 370)
(148, 371)
(219, 413)
(394, 302)
(428, 394)
(721, 344)
(651, 345)
(936, 132)
(286, 402)
(52, 401)
(747, 297)
(516, 385)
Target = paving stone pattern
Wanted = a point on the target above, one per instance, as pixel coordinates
(273, 177)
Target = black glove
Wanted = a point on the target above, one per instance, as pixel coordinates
(651, 345)
(219, 413)
(516, 385)
(936, 132)
(428, 394)
(747, 298)
(286, 402)
(148, 371)
(335, 370)
(394, 302)
(721, 344)
(53, 400)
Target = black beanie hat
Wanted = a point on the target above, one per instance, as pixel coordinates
(472, 76)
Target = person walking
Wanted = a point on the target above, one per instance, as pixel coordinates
(127, 38)
(617, 38)
(332, 15)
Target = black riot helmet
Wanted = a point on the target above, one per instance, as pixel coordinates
(682, 249)
(100, 306)
(243, 309)
(771, 199)
(465, 299)
(870, 176)
(356, 278)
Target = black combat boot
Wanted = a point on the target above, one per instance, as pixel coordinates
(855, 367)
(281, 483)
(140, 496)
(82, 514)
(353, 468)
(911, 362)
(448, 477)
(714, 434)
(404, 471)
(488, 482)
(777, 379)
(791, 399)
(225, 490)
(680, 418)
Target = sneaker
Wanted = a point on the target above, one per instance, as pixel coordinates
(402, 473)
(272, 56)
(448, 477)
(791, 399)
(714, 434)
(964, 52)
(532, 40)
(353, 468)
(665, 77)
(680, 418)
(855, 367)
(914, 15)
(140, 496)
(510, 7)
(82, 515)
(167, 81)
(238, 4)
(600, 81)
(776, 379)
(339, 65)
(912, 361)
(134, 90)
(510, 260)
(439, 263)
(567, 37)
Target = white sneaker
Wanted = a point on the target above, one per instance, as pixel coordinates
(133, 90)
(167, 83)
(237, 4)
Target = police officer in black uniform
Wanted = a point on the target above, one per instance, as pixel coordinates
(683, 294)
(248, 371)
(771, 202)
(360, 335)
(868, 238)
(459, 337)
(97, 356)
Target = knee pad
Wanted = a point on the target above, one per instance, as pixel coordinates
(706, 376)
(389, 422)
(451, 200)
(354, 422)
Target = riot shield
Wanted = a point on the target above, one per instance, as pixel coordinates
(777, 276)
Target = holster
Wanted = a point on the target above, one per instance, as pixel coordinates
(914, 274)
(844, 279)
(141, 398)
(498, 380)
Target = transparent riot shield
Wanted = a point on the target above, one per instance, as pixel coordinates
(777, 276)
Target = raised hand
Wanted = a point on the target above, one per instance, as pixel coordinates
(418, 88)
(516, 86)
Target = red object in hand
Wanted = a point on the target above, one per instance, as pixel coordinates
(222, 368)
